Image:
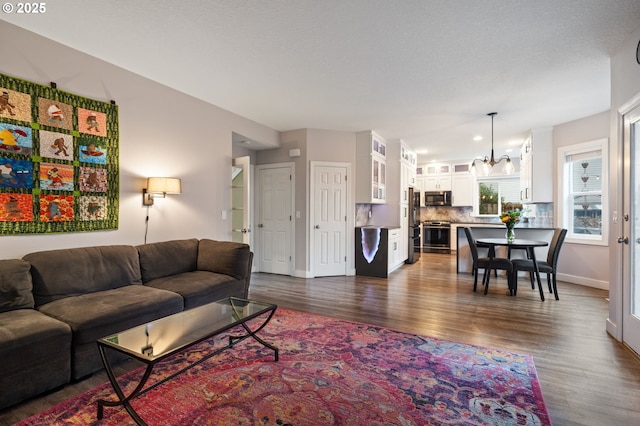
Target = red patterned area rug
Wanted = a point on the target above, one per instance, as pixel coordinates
(331, 372)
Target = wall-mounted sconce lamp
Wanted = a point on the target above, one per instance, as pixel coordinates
(159, 187)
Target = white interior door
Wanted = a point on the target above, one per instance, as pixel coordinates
(241, 200)
(631, 231)
(275, 220)
(329, 220)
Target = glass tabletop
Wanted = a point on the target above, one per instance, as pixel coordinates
(167, 335)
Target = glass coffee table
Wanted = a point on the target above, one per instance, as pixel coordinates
(157, 340)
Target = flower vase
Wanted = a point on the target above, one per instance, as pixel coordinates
(511, 234)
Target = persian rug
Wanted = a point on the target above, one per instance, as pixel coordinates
(330, 372)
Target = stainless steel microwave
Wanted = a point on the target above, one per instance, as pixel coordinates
(437, 198)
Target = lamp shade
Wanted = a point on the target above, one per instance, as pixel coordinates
(164, 185)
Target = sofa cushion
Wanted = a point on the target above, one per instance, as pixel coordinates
(167, 258)
(28, 334)
(200, 287)
(224, 257)
(95, 315)
(71, 272)
(15, 285)
(35, 353)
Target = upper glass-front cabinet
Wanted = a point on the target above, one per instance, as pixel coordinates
(371, 168)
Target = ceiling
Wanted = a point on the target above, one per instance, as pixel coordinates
(425, 71)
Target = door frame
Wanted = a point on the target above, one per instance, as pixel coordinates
(630, 322)
(614, 322)
(349, 224)
(292, 223)
(247, 198)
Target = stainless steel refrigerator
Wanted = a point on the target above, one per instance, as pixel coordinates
(415, 246)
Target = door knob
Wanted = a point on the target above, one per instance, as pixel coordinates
(260, 225)
(317, 226)
(623, 240)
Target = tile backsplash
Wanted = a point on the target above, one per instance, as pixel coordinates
(540, 215)
(537, 215)
(363, 214)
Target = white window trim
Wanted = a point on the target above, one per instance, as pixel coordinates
(564, 196)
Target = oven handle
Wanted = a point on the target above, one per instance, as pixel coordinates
(435, 227)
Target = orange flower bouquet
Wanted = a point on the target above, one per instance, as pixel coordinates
(510, 218)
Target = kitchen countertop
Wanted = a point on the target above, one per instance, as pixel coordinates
(499, 225)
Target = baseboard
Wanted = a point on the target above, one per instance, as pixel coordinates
(588, 282)
(308, 274)
(302, 274)
(612, 329)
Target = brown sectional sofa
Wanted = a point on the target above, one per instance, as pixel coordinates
(55, 304)
(199, 271)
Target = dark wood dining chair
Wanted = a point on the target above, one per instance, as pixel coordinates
(497, 263)
(550, 266)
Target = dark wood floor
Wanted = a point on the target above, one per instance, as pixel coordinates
(587, 377)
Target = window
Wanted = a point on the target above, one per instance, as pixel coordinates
(582, 172)
(497, 195)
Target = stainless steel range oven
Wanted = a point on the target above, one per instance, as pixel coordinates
(436, 236)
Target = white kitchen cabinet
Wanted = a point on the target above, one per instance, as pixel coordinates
(407, 180)
(536, 161)
(436, 177)
(462, 190)
(395, 259)
(433, 169)
(408, 175)
(409, 160)
(461, 185)
(371, 168)
(437, 183)
(461, 169)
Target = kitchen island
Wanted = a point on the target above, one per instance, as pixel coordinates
(464, 261)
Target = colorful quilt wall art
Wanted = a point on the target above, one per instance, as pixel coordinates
(58, 160)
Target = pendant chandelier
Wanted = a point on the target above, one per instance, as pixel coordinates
(488, 163)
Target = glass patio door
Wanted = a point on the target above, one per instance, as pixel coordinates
(630, 240)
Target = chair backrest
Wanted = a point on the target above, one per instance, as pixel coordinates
(472, 244)
(555, 245)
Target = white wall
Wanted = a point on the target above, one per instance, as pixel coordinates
(625, 90)
(162, 133)
(580, 263)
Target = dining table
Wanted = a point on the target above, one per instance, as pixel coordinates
(518, 243)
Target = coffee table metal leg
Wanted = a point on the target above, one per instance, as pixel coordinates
(251, 333)
(122, 399)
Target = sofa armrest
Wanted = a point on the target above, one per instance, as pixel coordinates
(225, 257)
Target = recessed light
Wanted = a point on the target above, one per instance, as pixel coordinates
(477, 138)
